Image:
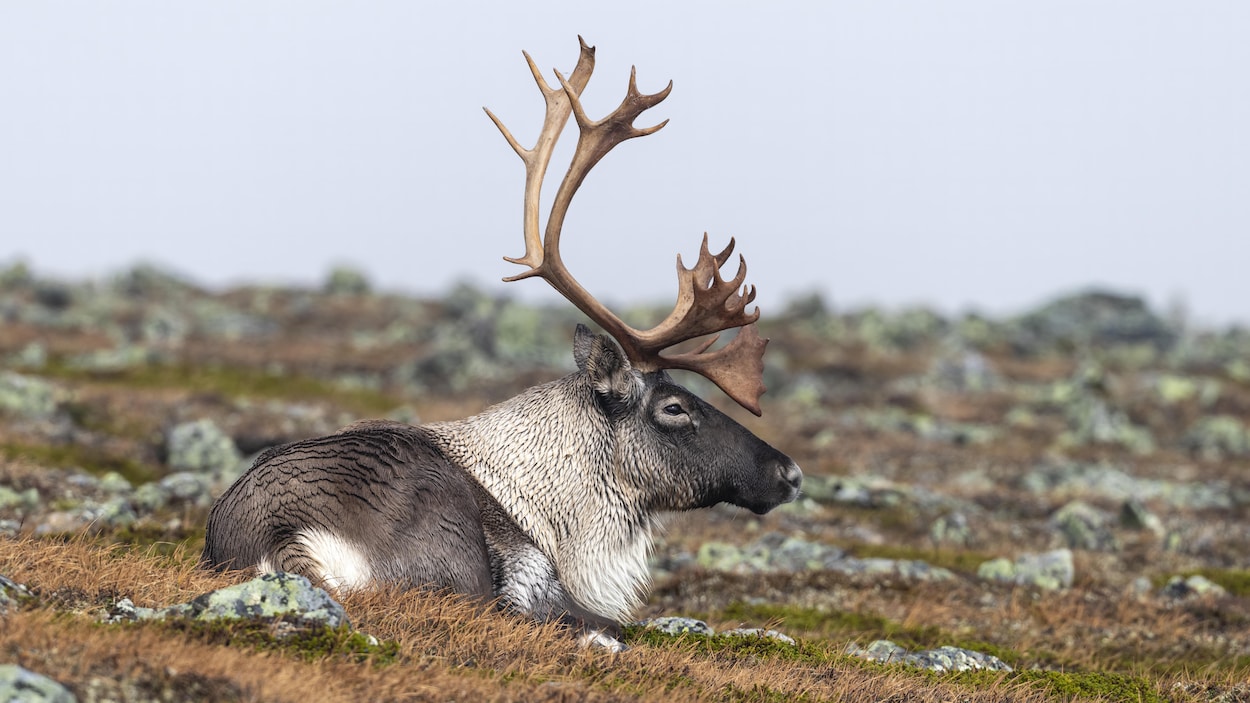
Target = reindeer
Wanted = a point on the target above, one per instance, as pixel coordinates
(545, 503)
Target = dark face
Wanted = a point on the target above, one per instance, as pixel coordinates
(708, 456)
(679, 451)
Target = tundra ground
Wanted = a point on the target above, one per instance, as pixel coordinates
(917, 449)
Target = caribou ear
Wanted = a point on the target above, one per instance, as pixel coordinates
(609, 370)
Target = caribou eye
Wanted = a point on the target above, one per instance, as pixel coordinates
(674, 409)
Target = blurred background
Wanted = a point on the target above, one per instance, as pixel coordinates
(963, 156)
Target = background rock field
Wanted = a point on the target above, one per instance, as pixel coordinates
(1054, 505)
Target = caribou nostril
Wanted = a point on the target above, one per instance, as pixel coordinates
(792, 474)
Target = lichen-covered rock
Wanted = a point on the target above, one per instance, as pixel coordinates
(1135, 516)
(28, 396)
(1171, 389)
(1218, 436)
(1092, 420)
(1085, 527)
(759, 633)
(276, 595)
(957, 368)
(862, 491)
(1049, 570)
(678, 626)
(951, 529)
(202, 447)
(940, 660)
(1092, 318)
(12, 595)
(1070, 480)
(18, 501)
(18, 685)
(182, 488)
(1196, 586)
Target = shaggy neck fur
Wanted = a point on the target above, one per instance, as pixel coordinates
(550, 457)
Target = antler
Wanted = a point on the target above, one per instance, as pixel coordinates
(706, 303)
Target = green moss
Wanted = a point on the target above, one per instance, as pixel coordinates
(306, 643)
(1094, 684)
(96, 462)
(1236, 582)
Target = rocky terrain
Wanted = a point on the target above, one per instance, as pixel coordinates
(1058, 500)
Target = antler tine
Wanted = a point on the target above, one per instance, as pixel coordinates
(537, 158)
(596, 139)
(706, 302)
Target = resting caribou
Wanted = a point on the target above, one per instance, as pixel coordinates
(544, 502)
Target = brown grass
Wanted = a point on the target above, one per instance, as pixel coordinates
(448, 649)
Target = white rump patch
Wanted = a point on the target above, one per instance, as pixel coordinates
(339, 563)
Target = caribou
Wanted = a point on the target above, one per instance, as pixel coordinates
(543, 504)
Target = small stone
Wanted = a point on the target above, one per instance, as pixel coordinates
(202, 447)
(20, 685)
(678, 626)
(1135, 516)
(275, 595)
(1049, 570)
(759, 633)
(1084, 527)
(1196, 586)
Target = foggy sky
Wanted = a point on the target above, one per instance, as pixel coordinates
(961, 155)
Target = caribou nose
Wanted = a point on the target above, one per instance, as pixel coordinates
(792, 475)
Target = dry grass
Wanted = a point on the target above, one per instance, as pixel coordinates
(448, 649)
(1100, 640)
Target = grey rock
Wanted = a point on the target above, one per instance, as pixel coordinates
(951, 529)
(912, 570)
(202, 447)
(1196, 586)
(941, 659)
(759, 633)
(28, 396)
(1049, 570)
(777, 553)
(1085, 527)
(125, 610)
(1092, 420)
(678, 626)
(1112, 482)
(958, 368)
(1217, 437)
(1092, 318)
(276, 595)
(33, 356)
(723, 556)
(1135, 516)
(187, 488)
(862, 491)
(12, 595)
(18, 685)
(23, 501)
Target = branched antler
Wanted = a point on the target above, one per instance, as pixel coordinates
(706, 303)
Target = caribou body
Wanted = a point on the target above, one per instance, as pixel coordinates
(545, 502)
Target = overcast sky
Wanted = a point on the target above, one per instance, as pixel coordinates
(962, 155)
